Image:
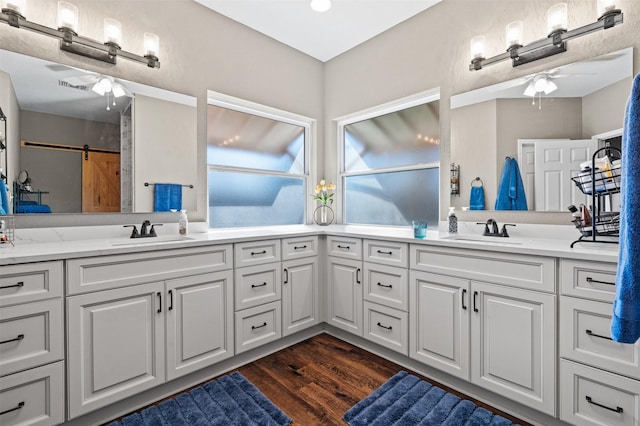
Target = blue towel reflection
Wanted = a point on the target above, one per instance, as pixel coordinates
(511, 190)
(167, 197)
(476, 200)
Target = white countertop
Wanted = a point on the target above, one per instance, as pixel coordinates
(36, 245)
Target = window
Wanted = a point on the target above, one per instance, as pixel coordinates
(390, 165)
(257, 164)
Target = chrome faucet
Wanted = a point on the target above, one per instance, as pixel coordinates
(494, 229)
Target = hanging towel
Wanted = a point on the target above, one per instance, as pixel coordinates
(511, 190)
(476, 200)
(625, 324)
(4, 198)
(167, 196)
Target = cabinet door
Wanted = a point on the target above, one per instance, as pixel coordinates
(439, 318)
(300, 303)
(513, 347)
(199, 322)
(345, 294)
(115, 345)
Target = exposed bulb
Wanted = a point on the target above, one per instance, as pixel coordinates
(320, 5)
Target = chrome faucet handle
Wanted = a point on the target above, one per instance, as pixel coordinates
(134, 232)
(504, 232)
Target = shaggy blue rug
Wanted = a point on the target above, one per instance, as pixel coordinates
(406, 400)
(228, 400)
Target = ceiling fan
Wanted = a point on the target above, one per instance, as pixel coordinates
(100, 84)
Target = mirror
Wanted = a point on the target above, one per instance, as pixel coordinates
(91, 143)
(564, 126)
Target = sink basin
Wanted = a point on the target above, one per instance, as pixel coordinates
(483, 239)
(151, 240)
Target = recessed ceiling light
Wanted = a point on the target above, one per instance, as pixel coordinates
(320, 5)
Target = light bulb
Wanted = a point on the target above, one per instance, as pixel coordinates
(320, 5)
(605, 6)
(112, 31)
(151, 44)
(68, 16)
(540, 83)
(514, 34)
(478, 44)
(18, 6)
(557, 17)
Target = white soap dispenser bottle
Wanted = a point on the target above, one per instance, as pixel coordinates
(183, 223)
(453, 221)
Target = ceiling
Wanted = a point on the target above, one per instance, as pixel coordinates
(322, 35)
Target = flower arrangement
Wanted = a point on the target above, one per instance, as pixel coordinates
(323, 192)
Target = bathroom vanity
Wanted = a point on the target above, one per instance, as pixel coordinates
(113, 324)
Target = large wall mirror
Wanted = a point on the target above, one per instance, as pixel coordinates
(91, 143)
(575, 109)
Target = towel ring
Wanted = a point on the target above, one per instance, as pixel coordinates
(477, 179)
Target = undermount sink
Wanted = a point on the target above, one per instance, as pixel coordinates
(152, 240)
(483, 239)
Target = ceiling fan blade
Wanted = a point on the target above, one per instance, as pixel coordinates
(82, 80)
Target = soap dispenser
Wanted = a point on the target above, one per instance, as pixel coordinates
(453, 221)
(183, 223)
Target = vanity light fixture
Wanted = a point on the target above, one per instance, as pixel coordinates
(14, 12)
(553, 44)
(320, 5)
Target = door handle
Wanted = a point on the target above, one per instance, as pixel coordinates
(464, 293)
(170, 300)
(358, 276)
(286, 275)
(475, 301)
(159, 294)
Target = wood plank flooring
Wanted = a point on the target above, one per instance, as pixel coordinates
(316, 381)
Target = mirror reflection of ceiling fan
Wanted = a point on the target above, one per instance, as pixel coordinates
(100, 84)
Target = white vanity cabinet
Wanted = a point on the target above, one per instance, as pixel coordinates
(599, 378)
(155, 325)
(344, 281)
(31, 344)
(487, 317)
(300, 287)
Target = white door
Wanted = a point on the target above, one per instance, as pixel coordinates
(556, 161)
(300, 303)
(527, 163)
(345, 294)
(513, 349)
(440, 316)
(116, 345)
(199, 322)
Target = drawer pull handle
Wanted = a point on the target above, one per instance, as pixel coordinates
(255, 253)
(591, 333)
(19, 406)
(385, 252)
(159, 302)
(255, 327)
(299, 247)
(19, 284)
(343, 247)
(464, 293)
(591, 401)
(258, 285)
(386, 327)
(591, 280)
(17, 339)
(170, 308)
(385, 285)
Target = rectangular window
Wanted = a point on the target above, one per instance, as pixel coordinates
(391, 163)
(257, 165)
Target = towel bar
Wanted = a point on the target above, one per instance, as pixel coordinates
(149, 184)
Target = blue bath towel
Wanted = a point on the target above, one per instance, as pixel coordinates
(511, 190)
(167, 196)
(476, 200)
(625, 324)
(4, 198)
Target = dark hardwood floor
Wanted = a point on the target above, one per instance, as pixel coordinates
(316, 381)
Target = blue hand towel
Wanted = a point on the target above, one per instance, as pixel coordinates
(511, 190)
(476, 201)
(4, 198)
(625, 324)
(167, 196)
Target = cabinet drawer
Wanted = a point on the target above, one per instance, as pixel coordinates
(585, 336)
(387, 253)
(387, 285)
(31, 335)
(108, 272)
(589, 396)
(387, 327)
(255, 285)
(36, 396)
(592, 280)
(295, 248)
(257, 326)
(257, 253)
(30, 282)
(515, 270)
(350, 248)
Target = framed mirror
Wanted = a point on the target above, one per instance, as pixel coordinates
(91, 143)
(549, 130)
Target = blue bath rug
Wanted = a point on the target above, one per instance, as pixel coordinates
(406, 400)
(228, 400)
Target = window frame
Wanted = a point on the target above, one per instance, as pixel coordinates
(420, 98)
(310, 129)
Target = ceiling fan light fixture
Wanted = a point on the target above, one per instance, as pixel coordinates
(118, 90)
(550, 87)
(530, 90)
(102, 86)
(320, 5)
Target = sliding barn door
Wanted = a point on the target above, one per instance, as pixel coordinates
(101, 183)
